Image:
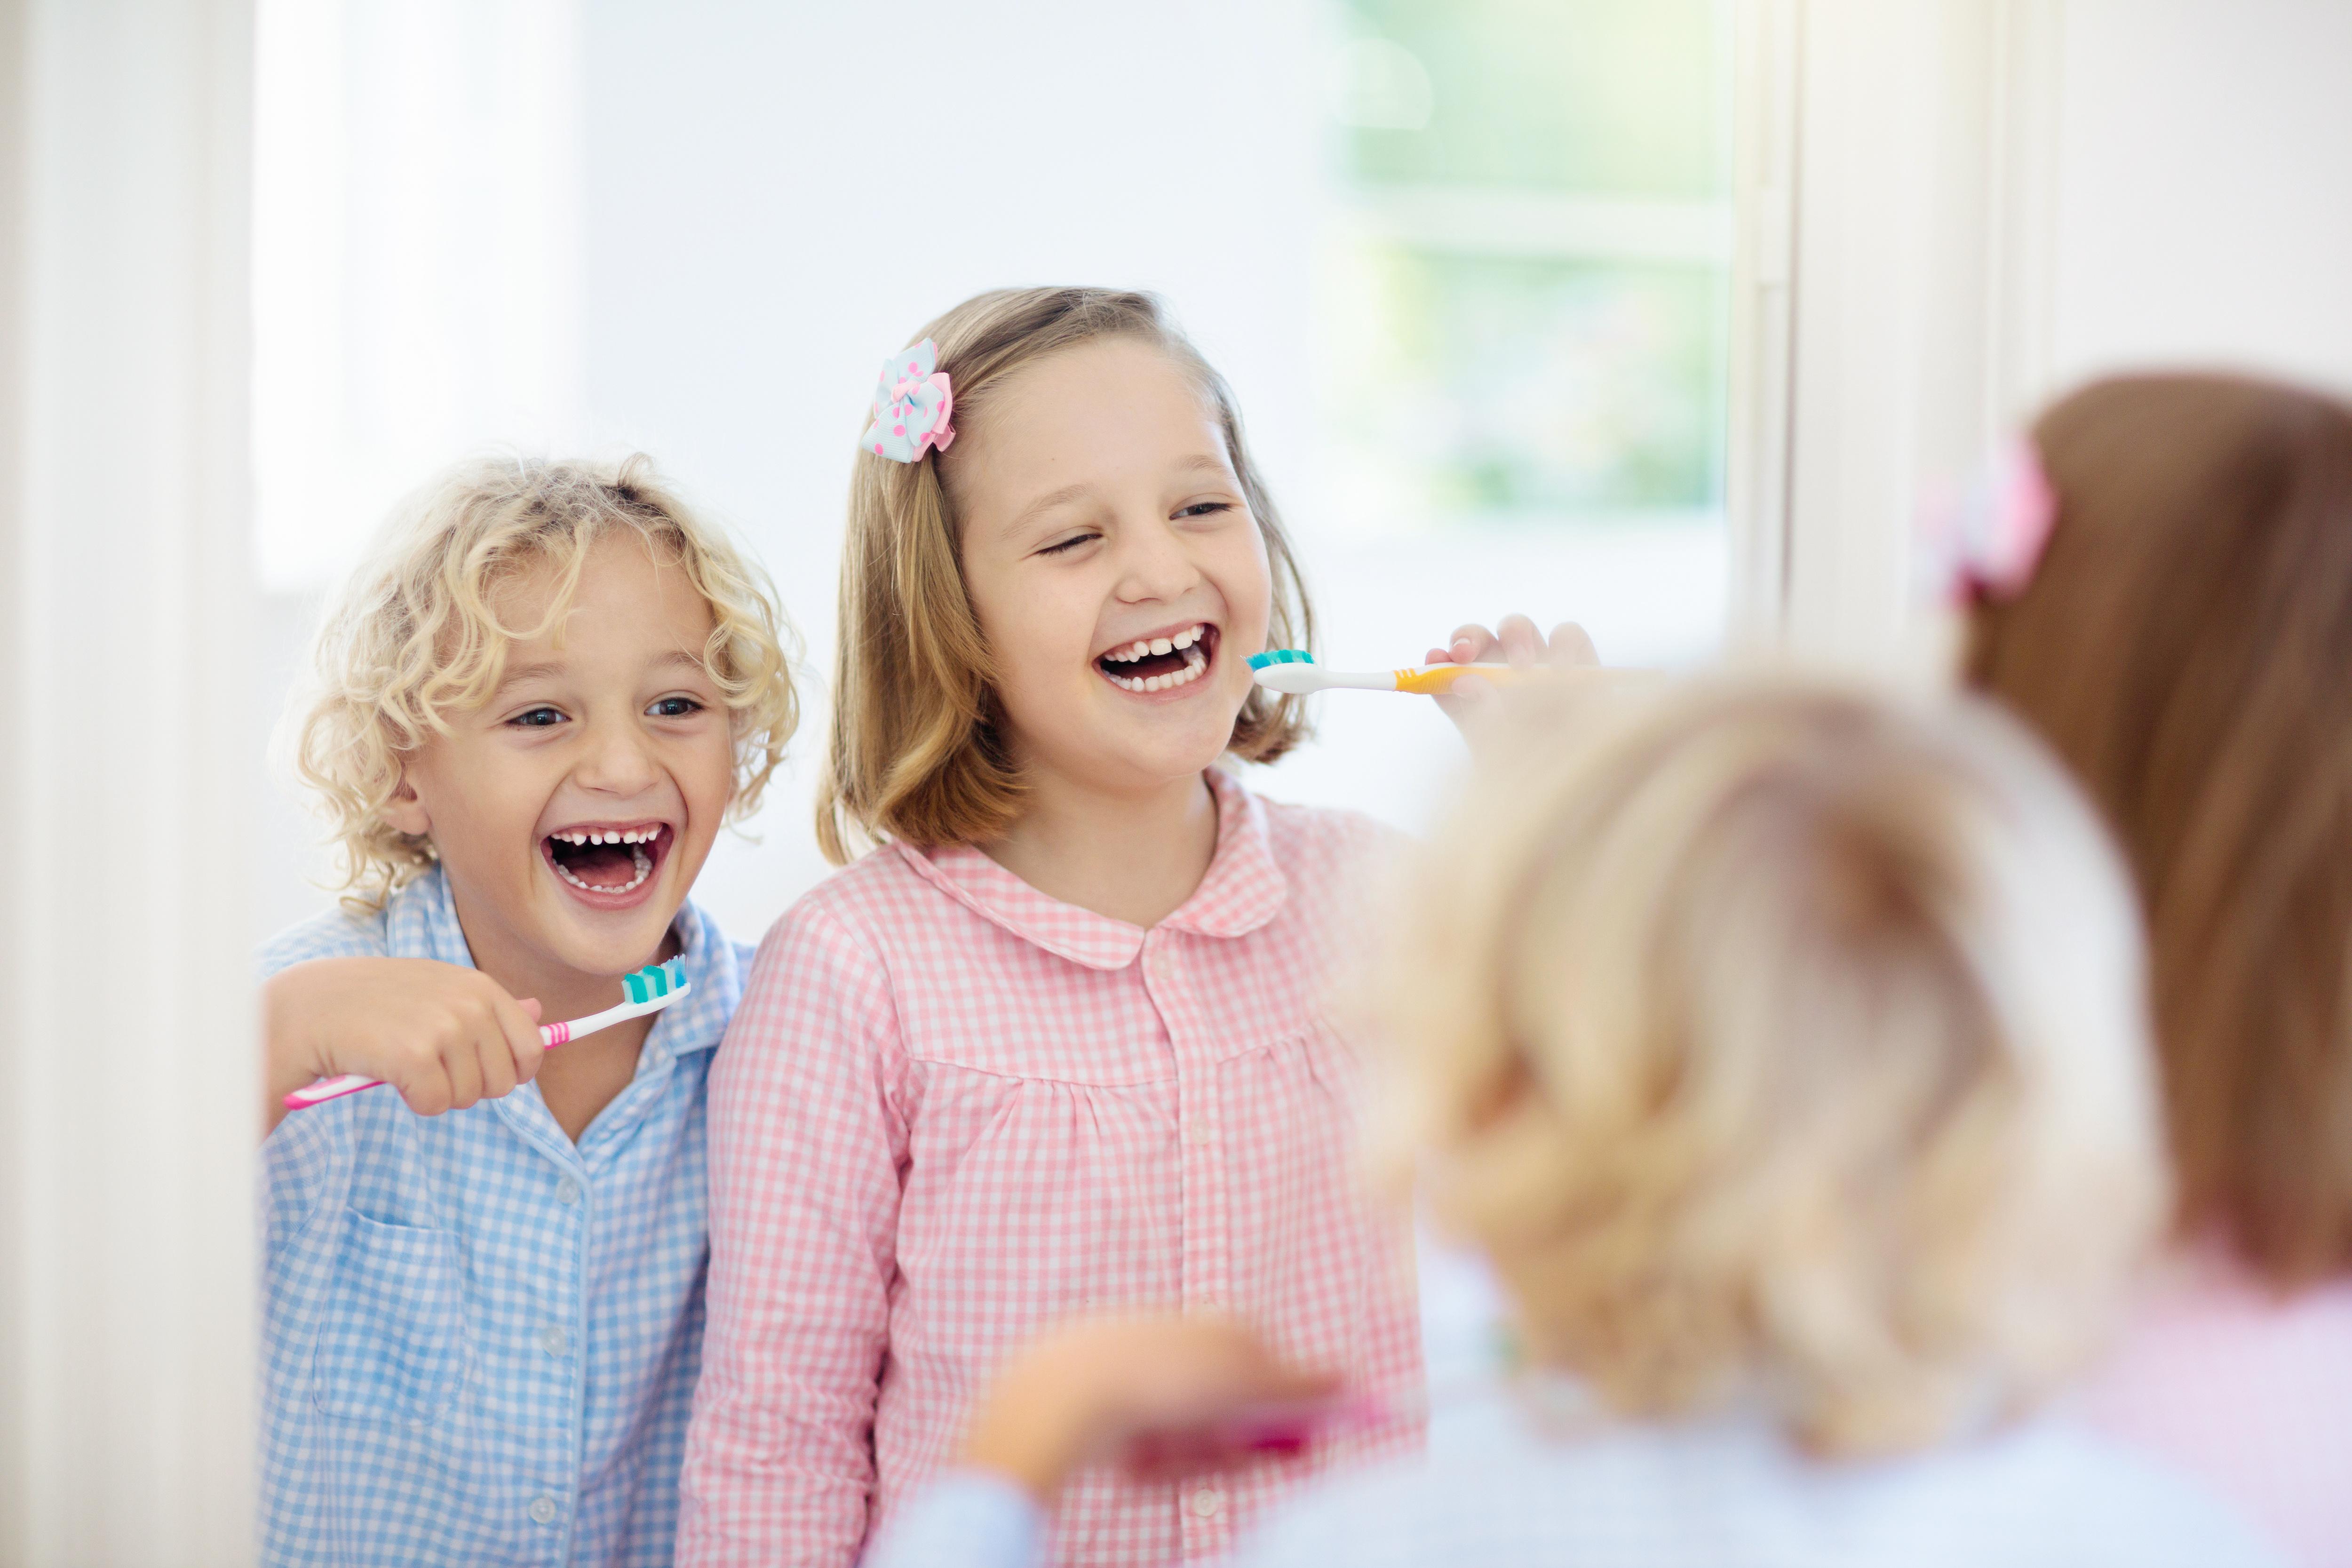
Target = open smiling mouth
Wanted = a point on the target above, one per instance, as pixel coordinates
(1162, 663)
(608, 863)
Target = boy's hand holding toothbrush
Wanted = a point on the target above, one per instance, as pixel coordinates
(444, 1035)
(1160, 1396)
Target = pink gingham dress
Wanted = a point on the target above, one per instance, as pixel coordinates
(952, 1111)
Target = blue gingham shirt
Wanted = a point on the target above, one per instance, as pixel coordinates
(480, 1341)
(1720, 1494)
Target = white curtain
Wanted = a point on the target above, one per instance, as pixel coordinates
(128, 1082)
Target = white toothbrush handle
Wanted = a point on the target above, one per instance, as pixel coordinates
(1298, 679)
(1427, 679)
(550, 1035)
(328, 1088)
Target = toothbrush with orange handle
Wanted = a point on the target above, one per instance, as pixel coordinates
(648, 990)
(1293, 672)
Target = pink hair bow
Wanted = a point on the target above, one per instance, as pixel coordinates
(1989, 545)
(911, 407)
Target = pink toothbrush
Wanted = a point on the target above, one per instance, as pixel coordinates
(649, 989)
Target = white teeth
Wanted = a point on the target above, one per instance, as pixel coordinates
(1145, 646)
(1194, 665)
(577, 837)
(644, 868)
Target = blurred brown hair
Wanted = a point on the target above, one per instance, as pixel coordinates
(916, 751)
(2186, 646)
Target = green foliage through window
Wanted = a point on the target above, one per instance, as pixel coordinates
(1539, 226)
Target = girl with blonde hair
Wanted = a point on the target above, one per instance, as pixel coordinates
(1057, 1044)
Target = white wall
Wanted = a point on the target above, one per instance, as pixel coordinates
(745, 283)
(1997, 199)
(2205, 187)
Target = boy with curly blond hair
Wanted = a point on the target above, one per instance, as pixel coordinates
(536, 707)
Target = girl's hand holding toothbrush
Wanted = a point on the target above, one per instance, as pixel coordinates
(1514, 641)
(444, 1035)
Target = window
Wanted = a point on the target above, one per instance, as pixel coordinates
(1526, 298)
(1522, 326)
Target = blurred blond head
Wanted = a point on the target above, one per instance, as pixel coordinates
(1781, 1048)
(414, 636)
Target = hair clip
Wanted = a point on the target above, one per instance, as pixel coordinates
(1987, 545)
(911, 407)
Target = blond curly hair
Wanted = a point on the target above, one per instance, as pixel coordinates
(1781, 1048)
(413, 636)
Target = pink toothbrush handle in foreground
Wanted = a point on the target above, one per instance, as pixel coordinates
(1275, 1429)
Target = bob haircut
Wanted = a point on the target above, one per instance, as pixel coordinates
(919, 752)
(414, 636)
(1781, 1047)
(2185, 647)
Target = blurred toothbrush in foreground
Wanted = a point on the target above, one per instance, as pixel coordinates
(648, 990)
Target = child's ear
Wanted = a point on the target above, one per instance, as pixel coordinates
(405, 811)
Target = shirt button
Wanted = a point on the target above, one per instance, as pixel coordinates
(1203, 1134)
(544, 1511)
(1207, 1502)
(567, 1192)
(552, 1341)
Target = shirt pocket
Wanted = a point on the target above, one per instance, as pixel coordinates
(391, 1339)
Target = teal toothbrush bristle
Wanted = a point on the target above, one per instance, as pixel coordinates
(654, 980)
(1280, 655)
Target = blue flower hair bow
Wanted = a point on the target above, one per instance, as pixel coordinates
(911, 407)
